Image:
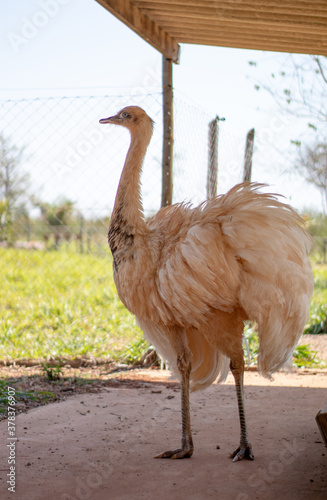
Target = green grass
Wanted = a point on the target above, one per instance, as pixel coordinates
(19, 396)
(318, 307)
(61, 304)
(51, 372)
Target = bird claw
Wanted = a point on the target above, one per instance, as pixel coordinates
(180, 453)
(242, 452)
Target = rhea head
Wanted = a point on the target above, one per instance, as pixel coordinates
(133, 118)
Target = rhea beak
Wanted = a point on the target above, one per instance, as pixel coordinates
(111, 119)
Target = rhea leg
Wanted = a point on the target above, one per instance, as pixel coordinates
(184, 364)
(245, 448)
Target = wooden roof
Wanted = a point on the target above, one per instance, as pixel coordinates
(277, 25)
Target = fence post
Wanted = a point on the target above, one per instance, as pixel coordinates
(212, 173)
(168, 133)
(247, 169)
(81, 232)
(28, 228)
(88, 241)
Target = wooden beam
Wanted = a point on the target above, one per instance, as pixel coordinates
(168, 133)
(302, 6)
(318, 47)
(141, 24)
(250, 15)
(211, 26)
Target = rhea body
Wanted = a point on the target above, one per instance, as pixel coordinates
(193, 275)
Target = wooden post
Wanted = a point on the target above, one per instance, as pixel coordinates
(28, 227)
(168, 132)
(89, 236)
(81, 232)
(212, 173)
(247, 171)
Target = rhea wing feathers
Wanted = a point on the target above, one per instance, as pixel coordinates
(196, 273)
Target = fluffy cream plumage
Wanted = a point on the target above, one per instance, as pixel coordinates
(243, 248)
(193, 275)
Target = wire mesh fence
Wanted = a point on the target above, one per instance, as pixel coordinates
(73, 165)
(70, 157)
(59, 174)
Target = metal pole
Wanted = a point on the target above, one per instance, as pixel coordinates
(168, 132)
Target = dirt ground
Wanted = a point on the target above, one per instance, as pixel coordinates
(100, 445)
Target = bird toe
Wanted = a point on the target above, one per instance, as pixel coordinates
(242, 452)
(175, 454)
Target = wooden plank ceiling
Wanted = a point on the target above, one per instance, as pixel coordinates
(277, 25)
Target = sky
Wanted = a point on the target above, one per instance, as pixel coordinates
(75, 47)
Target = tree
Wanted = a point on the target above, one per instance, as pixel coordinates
(58, 218)
(312, 164)
(299, 88)
(13, 186)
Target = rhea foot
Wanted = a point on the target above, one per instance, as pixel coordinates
(243, 451)
(180, 453)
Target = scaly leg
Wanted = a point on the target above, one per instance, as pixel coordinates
(245, 448)
(184, 366)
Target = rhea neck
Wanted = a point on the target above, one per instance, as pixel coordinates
(128, 208)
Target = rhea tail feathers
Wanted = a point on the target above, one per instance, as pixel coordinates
(276, 280)
(208, 363)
